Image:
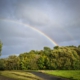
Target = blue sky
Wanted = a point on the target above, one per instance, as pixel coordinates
(58, 19)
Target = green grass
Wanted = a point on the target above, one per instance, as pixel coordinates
(70, 74)
(25, 75)
(20, 75)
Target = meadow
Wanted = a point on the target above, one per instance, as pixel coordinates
(70, 74)
(19, 75)
(26, 75)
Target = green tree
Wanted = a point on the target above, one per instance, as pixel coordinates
(31, 62)
(56, 47)
(0, 47)
(41, 62)
(12, 62)
(47, 51)
(2, 64)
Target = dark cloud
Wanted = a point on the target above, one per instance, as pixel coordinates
(58, 19)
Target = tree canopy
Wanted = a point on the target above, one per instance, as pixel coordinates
(58, 58)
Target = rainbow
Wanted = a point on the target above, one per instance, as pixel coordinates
(32, 27)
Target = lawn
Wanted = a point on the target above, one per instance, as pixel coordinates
(70, 74)
(19, 75)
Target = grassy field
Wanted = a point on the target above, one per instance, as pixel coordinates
(19, 75)
(25, 75)
(70, 74)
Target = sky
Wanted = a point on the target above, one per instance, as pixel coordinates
(32, 24)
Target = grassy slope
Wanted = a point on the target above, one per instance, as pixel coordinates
(71, 74)
(19, 75)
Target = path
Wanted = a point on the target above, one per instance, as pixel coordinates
(46, 76)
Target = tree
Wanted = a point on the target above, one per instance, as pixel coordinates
(47, 51)
(12, 63)
(0, 47)
(65, 58)
(41, 62)
(2, 64)
(56, 47)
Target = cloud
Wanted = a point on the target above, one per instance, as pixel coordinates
(17, 38)
(52, 18)
(48, 13)
(74, 42)
(58, 19)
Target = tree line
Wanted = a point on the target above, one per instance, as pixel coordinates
(58, 58)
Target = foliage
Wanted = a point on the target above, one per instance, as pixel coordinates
(2, 65)
(59, 58)
(0, 47)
